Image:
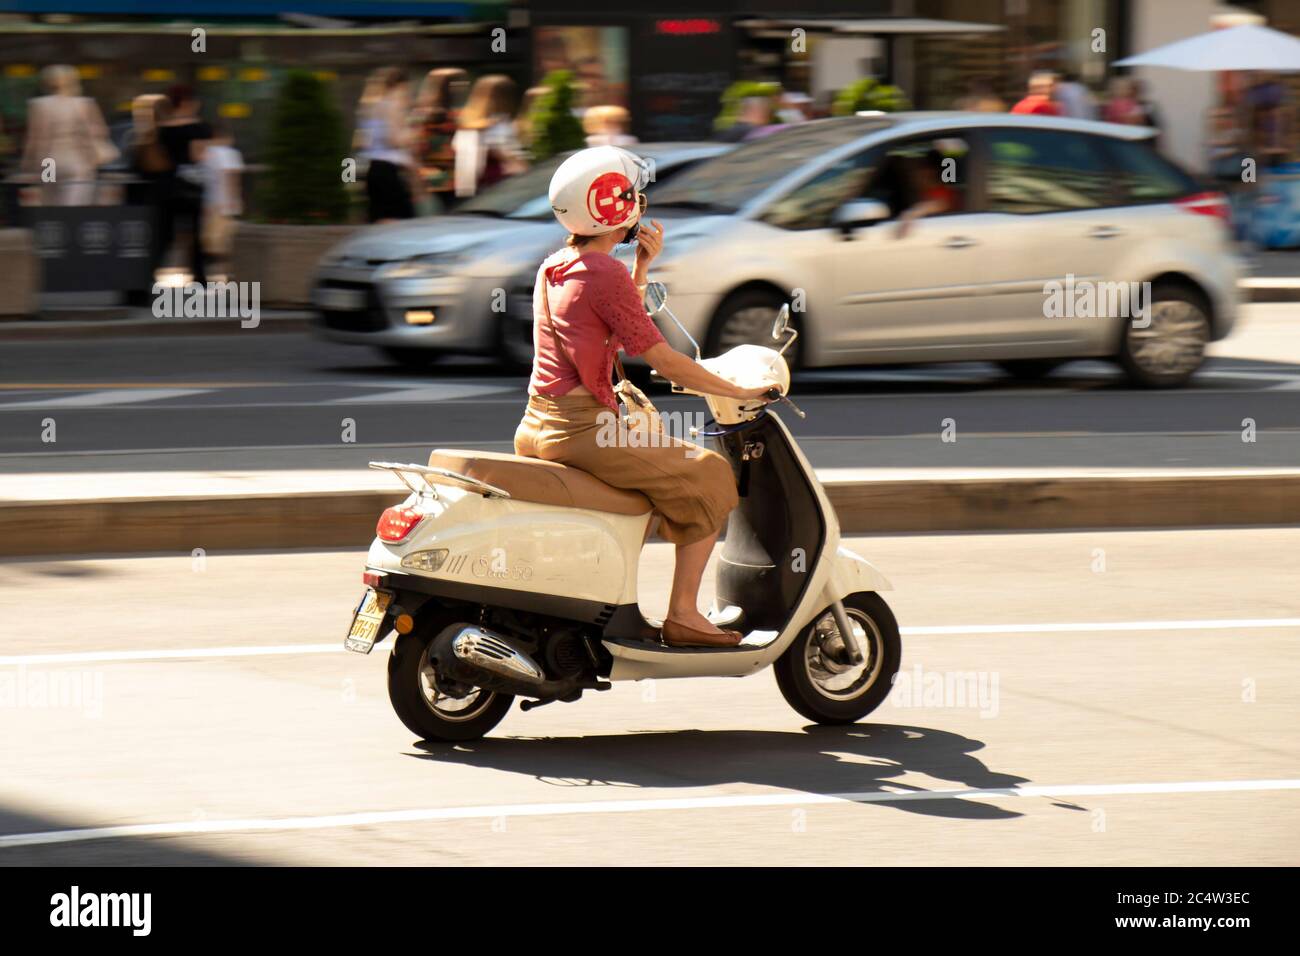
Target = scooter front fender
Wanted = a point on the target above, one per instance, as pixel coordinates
(850, 573)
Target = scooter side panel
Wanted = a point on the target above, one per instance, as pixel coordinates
(523, 546)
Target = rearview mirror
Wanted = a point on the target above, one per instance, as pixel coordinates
(859, 212)
(656, 297)
(782, 323)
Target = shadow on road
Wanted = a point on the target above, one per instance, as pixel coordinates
(117, 851)
(820, 760)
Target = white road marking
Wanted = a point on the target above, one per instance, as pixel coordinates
(1046, 628)
(105, 657)
(425, 393)
(123, 396)
(730, 801)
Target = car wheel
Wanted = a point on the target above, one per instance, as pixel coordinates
(746, 319)
(1030, 370)
(412, 358)
(1171, 347)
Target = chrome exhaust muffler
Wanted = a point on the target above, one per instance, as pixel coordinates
(497, 654)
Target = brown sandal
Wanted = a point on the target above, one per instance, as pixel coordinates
(679, 635)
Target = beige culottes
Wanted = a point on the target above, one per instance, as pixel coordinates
(692, 489)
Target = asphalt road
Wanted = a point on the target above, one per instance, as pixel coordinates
(1166, 736)
(261, 399)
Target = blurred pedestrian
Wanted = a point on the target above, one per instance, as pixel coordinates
(1150, 113)
(1121, 105)
(1074, 99)
(434, 120)
(152, 166)
(754, 114)
(607, 126)
(183, 135)
(524, 118)
(980, 98)
(67, 129)
(1225, 143)
(486, 144)
(793, 107)
(1039, 101)
(1267, 121)
(384, 140)
(222, 194)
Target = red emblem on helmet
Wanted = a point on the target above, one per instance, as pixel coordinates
(610, 199)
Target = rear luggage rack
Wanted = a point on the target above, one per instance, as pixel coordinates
(425, 473)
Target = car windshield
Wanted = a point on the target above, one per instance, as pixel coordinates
(519, 197)
(726, 183)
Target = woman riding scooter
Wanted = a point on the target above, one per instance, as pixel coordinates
(586, 307)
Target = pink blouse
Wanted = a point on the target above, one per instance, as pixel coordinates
(595, 311)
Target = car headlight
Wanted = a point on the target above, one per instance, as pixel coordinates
(426, 267)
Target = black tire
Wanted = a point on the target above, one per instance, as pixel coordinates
(411, 358)
(733, 324)
(885, 653)
(1030, 370)
(408, 674)
(1168, 352)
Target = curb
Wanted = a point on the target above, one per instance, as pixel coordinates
(312, 519)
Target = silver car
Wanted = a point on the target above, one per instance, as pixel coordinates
(933, 237)
(461, 282)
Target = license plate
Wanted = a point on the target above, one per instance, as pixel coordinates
(365, 622)
(340, 300)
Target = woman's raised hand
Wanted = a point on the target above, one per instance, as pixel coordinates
(649, 242)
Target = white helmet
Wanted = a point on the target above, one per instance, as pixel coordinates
(598, 190)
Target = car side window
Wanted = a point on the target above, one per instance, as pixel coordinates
(1042, 170)
(920, 172)
(810, 205)
(1143, 176)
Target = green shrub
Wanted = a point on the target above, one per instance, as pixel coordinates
(554, 127)
(869, 94)
(305, 148)
(737, 93)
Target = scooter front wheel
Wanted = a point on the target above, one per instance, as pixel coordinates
(434, 709)
(820, 681)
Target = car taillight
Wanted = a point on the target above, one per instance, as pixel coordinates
(396, 523)
(1208, 204)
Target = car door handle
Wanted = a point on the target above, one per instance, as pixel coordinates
(958, 242)
(1104, 232)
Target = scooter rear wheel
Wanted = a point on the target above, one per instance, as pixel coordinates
(429, 708)
(817, 678)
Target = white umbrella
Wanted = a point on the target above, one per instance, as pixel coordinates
(1247, 47)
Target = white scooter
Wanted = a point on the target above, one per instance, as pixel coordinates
(505, 576)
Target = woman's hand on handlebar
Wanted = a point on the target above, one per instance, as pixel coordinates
(770, 392)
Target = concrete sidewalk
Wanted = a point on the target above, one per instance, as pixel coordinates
(127, 512)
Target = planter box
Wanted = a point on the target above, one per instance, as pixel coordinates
(20, 279)
(283, 258)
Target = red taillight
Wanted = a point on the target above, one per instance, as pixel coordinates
(1208, 204)
(396, 523)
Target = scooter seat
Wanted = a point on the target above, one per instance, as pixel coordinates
(544, 482)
